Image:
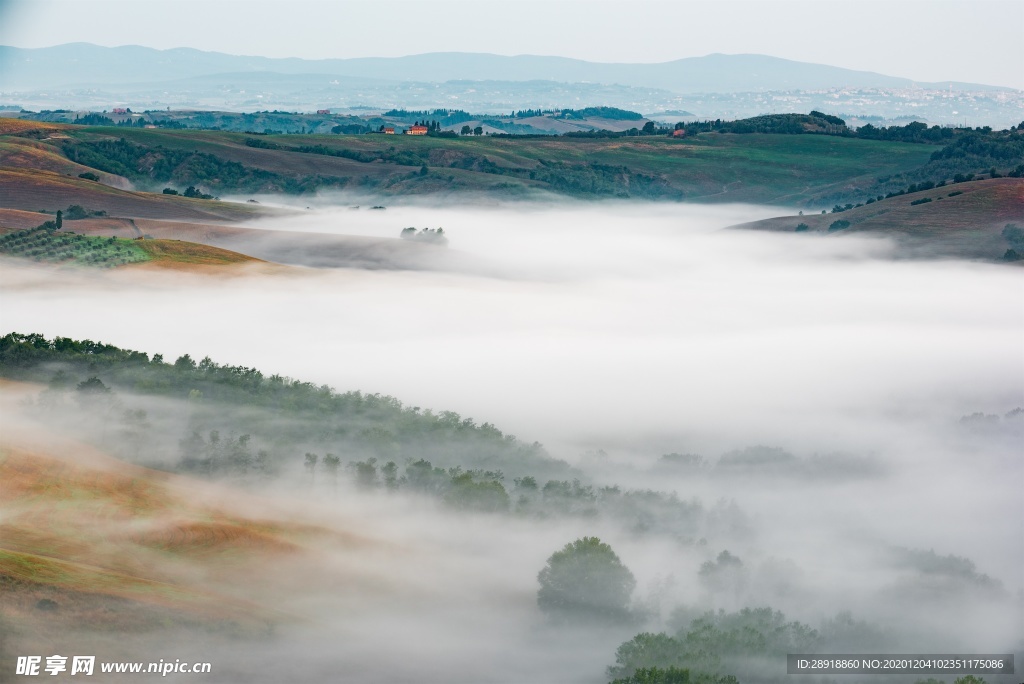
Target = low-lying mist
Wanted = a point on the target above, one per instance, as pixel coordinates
(812, 392)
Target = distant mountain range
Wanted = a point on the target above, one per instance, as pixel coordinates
(82, 77)
(82, 65)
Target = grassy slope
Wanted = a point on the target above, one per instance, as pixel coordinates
(12, 126)
(178, 252)
(24, 153)
(965, 224)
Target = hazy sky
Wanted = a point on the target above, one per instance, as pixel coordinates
(933, 40)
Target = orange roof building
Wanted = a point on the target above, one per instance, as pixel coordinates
(416, 130)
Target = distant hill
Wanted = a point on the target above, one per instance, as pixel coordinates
(83, 64)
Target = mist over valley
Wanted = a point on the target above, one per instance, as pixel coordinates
(810, 408)
(529, 343)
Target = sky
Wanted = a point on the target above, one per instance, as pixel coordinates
(927, 40)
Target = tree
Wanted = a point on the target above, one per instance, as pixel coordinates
(646, 650)
(585, 581)
(725, 574)
(656, 675)
(479, 130)
(331, 464)
(466, 130)
(468, 495)
(92, 387)
(311, 461)
(60, 219)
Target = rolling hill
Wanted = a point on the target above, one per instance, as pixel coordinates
(764, 168)
(45, 167)
(960, 220)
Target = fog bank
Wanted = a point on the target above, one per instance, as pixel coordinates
(615, 334)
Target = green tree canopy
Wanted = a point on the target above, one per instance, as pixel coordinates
(585, 581)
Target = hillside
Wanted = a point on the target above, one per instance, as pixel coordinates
(35, 190)
(713, 167)
(960, 220)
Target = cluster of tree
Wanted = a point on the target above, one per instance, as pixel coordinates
(1014, 235)
(718, 644)
(595, 179)
(280, 414)
(613, 113)
(915, 131)
(261, 144)
(445, 117)
(192, 192)
(351, 129)
(791, 124)
(210, 455)
(43, 243)
(75, 212)
(643, 512)
(528, 113)
(466, 130)
(766, 461)
(387, 156)
(433, 236)
(985, 147)
(672, 675)
(93, 119)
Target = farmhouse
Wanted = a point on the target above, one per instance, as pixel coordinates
(323, 111)
(120, 110)
(389, 130)
(416, 130)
